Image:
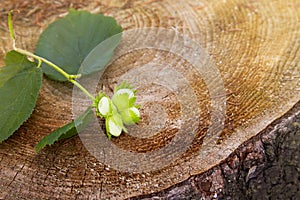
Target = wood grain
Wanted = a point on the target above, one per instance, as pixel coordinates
(255, 46)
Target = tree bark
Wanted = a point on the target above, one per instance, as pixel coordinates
(255, 47)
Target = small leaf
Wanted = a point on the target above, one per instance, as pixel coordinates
(123, 85)
(132, 102)
(67, 131)
(130, 116)
(69, 40)
(20, 82)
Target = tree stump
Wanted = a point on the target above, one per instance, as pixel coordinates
(254, 46)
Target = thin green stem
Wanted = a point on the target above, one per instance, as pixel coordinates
(10, 25)
(58, 69)
(39, 64)
(82, 89)
(27, 53)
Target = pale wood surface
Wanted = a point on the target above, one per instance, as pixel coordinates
(255, 45)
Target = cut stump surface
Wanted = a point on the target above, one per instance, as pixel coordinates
(253, 44)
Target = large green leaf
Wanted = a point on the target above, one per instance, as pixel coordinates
(68, 41)
(68, 130)
(100, 55)
(20, 82)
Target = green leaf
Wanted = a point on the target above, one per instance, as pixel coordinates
(14, 64)
(14, 57)
(97, 59)
(69, 40)
(123, 85)
(130, 116)
(68, 130)
(20, 82)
